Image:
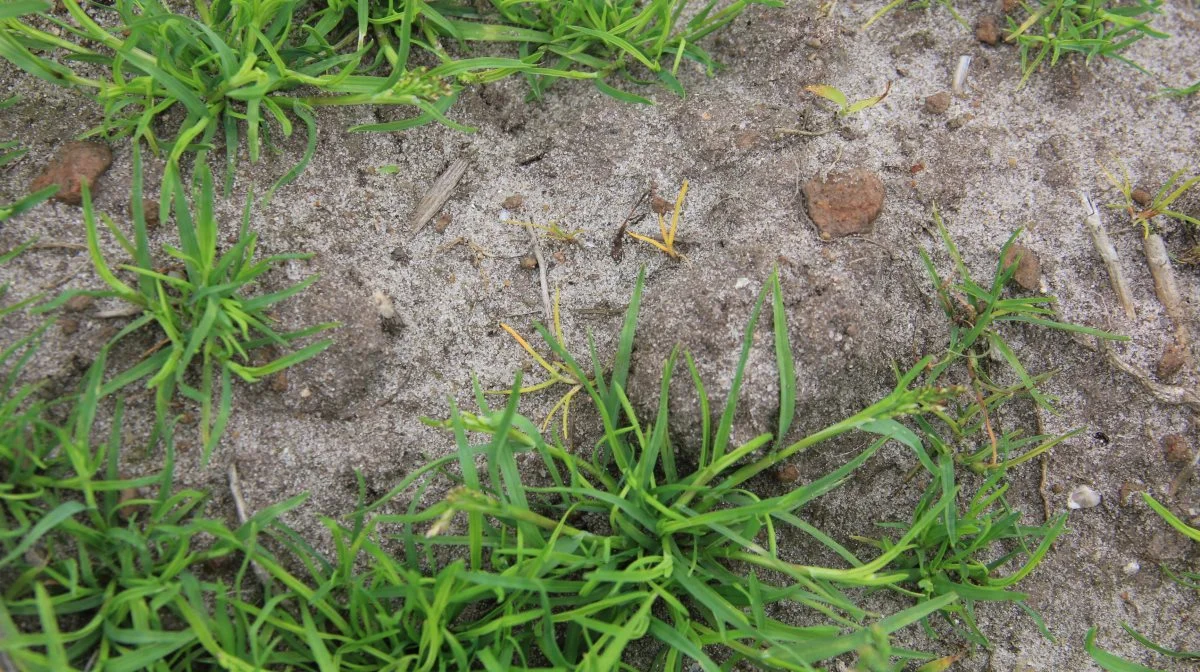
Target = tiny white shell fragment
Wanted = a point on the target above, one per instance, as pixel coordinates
(960, 74)
(383, 303)
(1083, 497)
(1132, 568)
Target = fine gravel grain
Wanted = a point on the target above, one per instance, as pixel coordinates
(993, 160)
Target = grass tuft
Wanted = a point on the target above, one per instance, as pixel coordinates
(199, 303)
(1092, 28)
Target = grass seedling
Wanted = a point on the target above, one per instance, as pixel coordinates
(559, 373)
(667, 244)
(625, 39)
(1159, 204)
(9, 152)
(198, 302)
(975, 313)
(1182, 91)
(845, 107)
(915, 4)
(1191, 580)
(235, 68)
(231, 69)
(552, 230)
(657, 564)
(1092, 28)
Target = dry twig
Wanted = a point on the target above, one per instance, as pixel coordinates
(1108, 254)
(541, 261)
(437, 195)
(235, 487)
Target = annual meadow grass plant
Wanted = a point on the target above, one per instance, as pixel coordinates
(198, 303)
(228, 71)
(613, 556)
(1092, 28)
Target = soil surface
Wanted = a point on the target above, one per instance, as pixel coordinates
(993, 159)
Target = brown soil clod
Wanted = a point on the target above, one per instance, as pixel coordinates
(1141, 197)
(79, 303)
(75, 164)
(789, 473)
(987, 29)
(149, 212)
(513, 202)
(1173, 358)
(1176, 449)
(938, 103)
(1029, 268)
(844, 204)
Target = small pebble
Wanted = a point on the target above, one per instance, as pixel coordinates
(305, 393)
(1083, 497)
(529, 262)
(788, 474)
(79, 303)
(68, 326)
(1176, 449)
(149, 212)
(1173, 358)
(959, 121)
(1029, 269)
(987, 29)
(442, 222)
(1141, 197)
(400, 254)
(938, 103)
(279, 382)
(1133, 567)
(513, 202)
(383, 304)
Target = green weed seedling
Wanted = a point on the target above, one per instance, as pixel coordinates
(845, 107)
(1182, 91)
(1093, 28)
(958, 555)
(553, 230)
(1160, 203)
(638, 42)
(657, 561)
(198, 302)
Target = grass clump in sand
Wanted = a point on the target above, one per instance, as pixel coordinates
(198, 302)
(233, 71)
(618, 556)
(1094, 28)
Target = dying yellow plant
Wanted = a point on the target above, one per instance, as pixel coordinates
(552, 230)
(559, 373)
(667, 244)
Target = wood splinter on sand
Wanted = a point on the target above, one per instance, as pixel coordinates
(1164, 286)
(437, 195)
(1108, 254)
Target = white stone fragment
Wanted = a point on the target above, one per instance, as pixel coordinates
(1083, 497)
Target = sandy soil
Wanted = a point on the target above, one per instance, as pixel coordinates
(996, 160)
